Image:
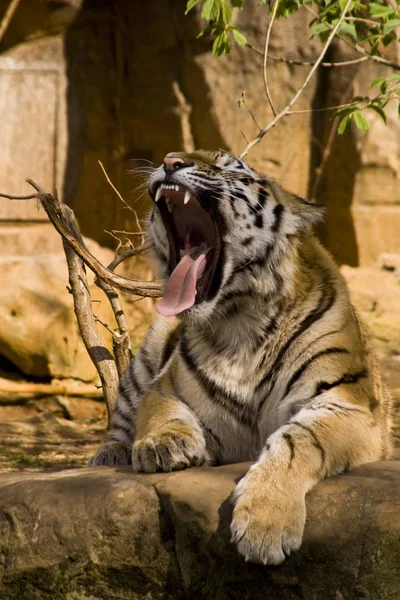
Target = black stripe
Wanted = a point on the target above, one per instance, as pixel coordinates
(146, 361)
(179, 396)
(297, 374)
(134, 380)
(347, 378)
(259, 221)
(235, 295)
(278, 213)
(258, 261)
(247, 240)
(289, 440)
(170, 346)
(224, 398)
(125, 393)
(233, 207)
(126, 429)
(241, 196)
(247, 180)
(262, 197)
(324, 304)
(316, 441)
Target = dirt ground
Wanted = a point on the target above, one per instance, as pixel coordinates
(58, 432)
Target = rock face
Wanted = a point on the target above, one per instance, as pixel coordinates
(109, 534)
(376, 294)
(39, 332)
(61, 50)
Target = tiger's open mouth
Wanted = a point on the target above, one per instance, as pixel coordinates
(195, 246)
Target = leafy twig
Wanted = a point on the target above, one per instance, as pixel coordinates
(292, 61)
(283, 113)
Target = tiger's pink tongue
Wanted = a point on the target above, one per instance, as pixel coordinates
(180, 290)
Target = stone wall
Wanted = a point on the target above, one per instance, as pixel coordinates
(89, 80)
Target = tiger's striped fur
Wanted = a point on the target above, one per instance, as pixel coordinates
(273, 366)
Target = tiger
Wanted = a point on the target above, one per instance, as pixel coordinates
(256, 354)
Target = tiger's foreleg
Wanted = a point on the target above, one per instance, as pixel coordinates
(168, 435)
(326, 437)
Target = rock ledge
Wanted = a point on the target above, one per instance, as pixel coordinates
(94, 534)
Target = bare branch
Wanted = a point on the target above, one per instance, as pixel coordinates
(283, 113)
(101, 357)
(57, 214)
(270, 24)
(17, 390)
(292, 61)
(8, 15)
(122, 200)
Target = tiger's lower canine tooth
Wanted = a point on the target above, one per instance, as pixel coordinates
(187, 197)
(158, 193)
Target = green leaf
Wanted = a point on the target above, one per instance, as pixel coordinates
(190, 4)
(320, 28)
(377, 81)
(237, 3)
(226, 12)
(344, 124)
(238, 36)
(380, 112)
(211, 9)
(346, 110)
(394, 77)
(349, 29)
(390, 26)
(379, 10)
(361, 121)
(206, 31)
(221, 44)
(342, 4)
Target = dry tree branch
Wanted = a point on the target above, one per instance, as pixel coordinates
(292, 61)
(56, 213)
(265, 74)
(101, 357)
(8, 15)
(283, 112)
(63, 219)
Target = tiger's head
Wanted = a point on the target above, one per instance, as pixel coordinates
(217, 227)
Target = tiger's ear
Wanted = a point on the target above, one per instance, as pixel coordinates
(307, 212)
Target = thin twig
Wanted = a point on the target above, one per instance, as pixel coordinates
(292, 61)
(122, 199)
(279, 116)
(270, 24)
(8, 15)
(57, 214)
(10, 197)
(242, 101)
(355, 46)
(114, 231)
(105, 325)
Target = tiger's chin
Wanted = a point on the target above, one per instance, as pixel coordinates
(195, 250)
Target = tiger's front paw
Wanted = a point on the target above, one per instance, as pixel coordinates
(173, 447)
(111, 454)
(268, 518)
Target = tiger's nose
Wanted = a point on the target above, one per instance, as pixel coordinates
(173, 163)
